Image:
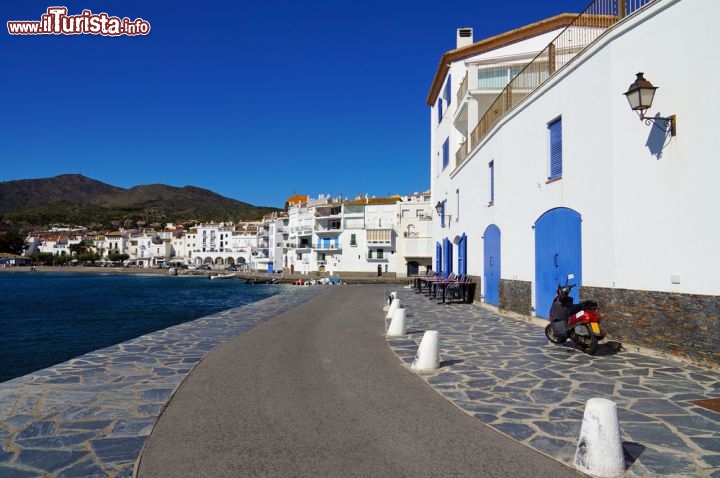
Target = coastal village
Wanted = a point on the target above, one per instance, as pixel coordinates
(612, 182)
(323, 236)
(577, 148)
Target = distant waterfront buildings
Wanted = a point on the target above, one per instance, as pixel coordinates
(324, 235)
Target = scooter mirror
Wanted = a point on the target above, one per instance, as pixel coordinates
(571, 276)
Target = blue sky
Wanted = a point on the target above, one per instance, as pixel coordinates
(255, 101)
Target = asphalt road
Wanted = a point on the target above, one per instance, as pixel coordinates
(317, 392)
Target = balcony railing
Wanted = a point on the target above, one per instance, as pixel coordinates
(461, 153)
(462, 90)
(585, 29)
(330, 228)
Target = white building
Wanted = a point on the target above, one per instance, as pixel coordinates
(370, 236)
(147, 249)
(359, 236)
(115, 242)
(557, 175)
(222, 244)
(415, 243)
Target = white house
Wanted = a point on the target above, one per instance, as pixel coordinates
(359, 236)
(369, 235)
(557, 175)
(415, 244)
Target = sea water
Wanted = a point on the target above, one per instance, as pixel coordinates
(48, 318)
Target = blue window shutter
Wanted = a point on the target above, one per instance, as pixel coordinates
(438, 257)
(448, 90)
(439, 110)
(555, 129)
(462, 255)
(446, 153)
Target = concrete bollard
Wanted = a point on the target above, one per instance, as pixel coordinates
(393, 307)
(599, 450)
(389, 300)
(428, 357)
(397, 325)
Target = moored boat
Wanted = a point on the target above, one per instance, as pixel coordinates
(224, 276)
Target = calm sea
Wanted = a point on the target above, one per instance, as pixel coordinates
(48, 318)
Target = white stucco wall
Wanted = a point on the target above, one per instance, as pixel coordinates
(643, 217)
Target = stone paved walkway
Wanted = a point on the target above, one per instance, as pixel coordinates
(504, 372)
(90, 416)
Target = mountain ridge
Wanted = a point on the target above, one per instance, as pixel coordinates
(78, 200)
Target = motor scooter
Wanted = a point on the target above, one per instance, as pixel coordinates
(578, 322)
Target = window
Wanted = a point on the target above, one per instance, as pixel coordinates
(555, 129)
(446, 153)
(448, 89)
(353, 240)
(379, 253)
(491, 167)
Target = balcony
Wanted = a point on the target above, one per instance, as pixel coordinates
(331, 227)
(328, 214)
(328, 247)
(305, 230)
(584, 30)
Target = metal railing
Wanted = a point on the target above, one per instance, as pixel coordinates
(585, 29)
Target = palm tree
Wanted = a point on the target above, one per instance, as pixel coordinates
(78, 248)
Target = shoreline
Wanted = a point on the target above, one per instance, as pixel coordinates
(283, 278)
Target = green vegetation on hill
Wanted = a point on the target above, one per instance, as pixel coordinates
(76, 200)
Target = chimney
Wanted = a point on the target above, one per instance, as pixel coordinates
(464, 37)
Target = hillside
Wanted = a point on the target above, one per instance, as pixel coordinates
(78, 200)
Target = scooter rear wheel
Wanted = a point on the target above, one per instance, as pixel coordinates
(550, 334)
(588, 341)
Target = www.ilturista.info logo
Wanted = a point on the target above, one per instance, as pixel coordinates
(57, 22)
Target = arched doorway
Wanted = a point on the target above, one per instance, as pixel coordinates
(491, 264)
(558, 252)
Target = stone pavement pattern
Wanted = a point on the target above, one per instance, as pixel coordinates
(503, 371)
(90, 416)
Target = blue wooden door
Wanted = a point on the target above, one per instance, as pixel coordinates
(558, 252)
(491, 267)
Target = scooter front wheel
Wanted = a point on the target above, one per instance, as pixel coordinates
(550, 334)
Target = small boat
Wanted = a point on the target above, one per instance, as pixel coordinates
(224, 276)
(262, 281)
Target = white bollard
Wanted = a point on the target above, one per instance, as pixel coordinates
(427, 357)
(599, 450)
(397, 325)
(389, 300)
(393, 307)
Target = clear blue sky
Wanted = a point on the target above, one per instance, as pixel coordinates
(254, 100)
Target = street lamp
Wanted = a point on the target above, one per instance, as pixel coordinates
(640, 95)
(440, 208)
